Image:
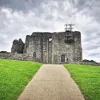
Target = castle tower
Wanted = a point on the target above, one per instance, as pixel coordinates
(60, 47)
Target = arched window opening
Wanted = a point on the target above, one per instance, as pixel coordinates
(50, 39)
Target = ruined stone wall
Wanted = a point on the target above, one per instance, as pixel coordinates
(66, 44)
(55, 48)
(46, 47)
(49, 47)
(39, 44)
(61, 48)
(44, 50)
(51, 51)
(14, 56)
(5, 55)
(32, 46)
(77, 47)
(17, 46)
(17, 56)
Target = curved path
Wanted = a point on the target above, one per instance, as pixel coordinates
(51, 82)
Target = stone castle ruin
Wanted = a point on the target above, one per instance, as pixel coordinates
(46, 47)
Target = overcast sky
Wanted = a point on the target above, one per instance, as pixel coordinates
(19, 18)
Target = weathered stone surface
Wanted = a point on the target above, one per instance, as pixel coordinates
(17, 46)
(5, 55)
(57, 47)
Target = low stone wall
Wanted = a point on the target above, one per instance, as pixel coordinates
(17, 56)
(90, 63)
(85, 63)
(11, 56)
(5, 55)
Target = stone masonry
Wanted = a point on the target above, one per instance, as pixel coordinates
(56, 47)
(18, 46)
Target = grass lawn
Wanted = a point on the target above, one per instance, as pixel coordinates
(14, 76)
(88, 79)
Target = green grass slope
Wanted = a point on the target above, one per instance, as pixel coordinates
(88, 79)
(14, 76)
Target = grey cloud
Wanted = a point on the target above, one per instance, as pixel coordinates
(4, 2)
(91, 7)
(21, 5)
(13, 4)
(93, 47)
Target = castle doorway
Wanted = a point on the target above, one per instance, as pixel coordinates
(62, 58)
(34, 54)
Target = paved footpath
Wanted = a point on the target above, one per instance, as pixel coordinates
(51, 82)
